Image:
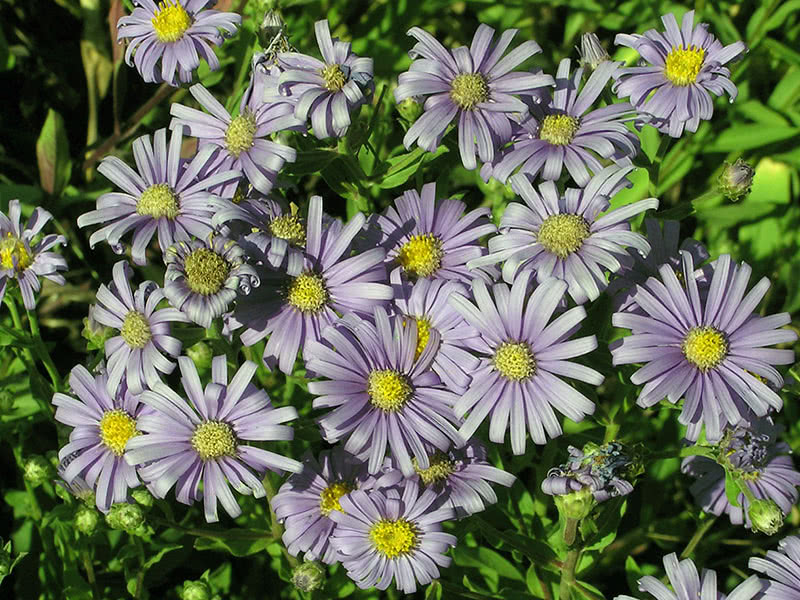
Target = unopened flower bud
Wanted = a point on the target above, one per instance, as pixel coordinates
(309, 576)
(128, 517)
(592, 52)
(201, 354)
(576, 505)
(95, 333)
(143, 496)
(765, 516)
(410, 109)
(37, 469)
(736, 180)
(196, 590)
(86, 520)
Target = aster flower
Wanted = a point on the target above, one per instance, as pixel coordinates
(327, 91)
(752, 453)
(663, 237)
(561, 132)
(710, 351)
(103, 426)
(427, 303)
(473, 85)
(424, 238)
(520, 358)
(686, 64)
(381, 538)
(565, 236)
(293, 310)
(202, 438)
(25, 260)
(166, 195)
(304, 503)
(688, 585)
(173, 35)
(135, 355)
(781, 567)
(382, 396)
(204, 277)
(240, 142)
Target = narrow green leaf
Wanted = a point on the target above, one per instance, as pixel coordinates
(747, 137)
(731, 489)
(52, 154)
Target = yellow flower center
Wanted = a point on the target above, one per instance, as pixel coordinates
(240, 133)
(563, 234)
(683, 65)
(289, 228)
(388, 390)
(514, 360)
(135, 330)
(558, 129)
(170, 21)
(213, 439)
(469, 90)
(14, 254)
(116, 428)
(423, 334)
(158, 201)
(421, 255)
(307, 293)
(206, 271)
(334, 77)
(705, 347)
(329, 498)
(393, 538)
(441, 468)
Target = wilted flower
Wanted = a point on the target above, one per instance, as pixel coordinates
(592, 53)
(736, 180)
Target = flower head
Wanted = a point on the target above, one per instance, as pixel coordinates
(781, 567)
(202, 438)
(709, 349)
(173, 35)
(686, 63)
(24, 259)
(736, 180)
(474, 86)
(166, 195)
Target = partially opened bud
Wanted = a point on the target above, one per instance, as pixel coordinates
(736, 180)
(765, 516)
(592, 52)
(309, 576)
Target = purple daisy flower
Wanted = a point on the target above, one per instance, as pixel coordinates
(604, 470)
(240, 142)
(687, 584)
(103, 427)
(565, 236)
(304, 503)
(294, 310)
(686, 64)
(751, 451)
(328, 90)
(135, 355)
(381, 537)
(424, 238)
(384, 397)
(782, 568)
(25, 260)
(166, 195)
(204, 277)
(520, 358)
(201, 439)
(473, 85)
(664, 250)
(426, 301)
(178, 33)
(710, 351)
(560, 132)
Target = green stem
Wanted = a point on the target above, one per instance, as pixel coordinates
(698, 535)
(90, 575)
(277, 528)
(41, 349)
(568, 573)
(570, 531)
(705, 198)
(140, 577)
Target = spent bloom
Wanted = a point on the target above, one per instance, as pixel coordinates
(736, 180)
(564, 236)
(781, 568)
(521, 356)
(167, 196)
(136, 355)
(327, 91)
(103, 426)
(709, 349)
(24, 259)
(592, 52)
(201, 439)
(562, 131)
(173, 35)
(474, 86)
(686, 63)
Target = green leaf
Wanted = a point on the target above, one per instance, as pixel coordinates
(52, 154)
(747, 137)
(727, 216)
(404, 167)
(755, 111)
(156, 558)
(781, 51)
(632, 573)
(434, 591)
(311, 161)
(787, 91)
(7, 59)
(486, 559)
(651, 140)
(731, 489)
(237, 547)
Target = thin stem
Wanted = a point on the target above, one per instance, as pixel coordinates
(90, 575)
(140, 577)
(705, 198)
(277, 528)
(698, 535)
(41, 349)
(568, 573)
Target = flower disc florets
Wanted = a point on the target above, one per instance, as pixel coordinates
(514, 361)
(563, 234)
(116, 428)
(442, 466)
(14, 254)
(682, 66)
(705, 347)
(135, 330)
(393, 538)
(158, 201)
(421, 255)
(559, 130)
(307, 292)
(329, 498)
(171, 21)
(240, 133)
(388, 389)
(206, 271)
(334, 77)
(213, 440)
(469, 90)
(290, 228)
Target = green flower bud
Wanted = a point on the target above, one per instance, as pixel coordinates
(576, 505)
(765, 516)
(736, 180)
(37, 469)
(196, 590)
(95, 333)
(309, 576)
(128, 517)
(410, 109)
(86, 520)
(201, 355)
(143, 496)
